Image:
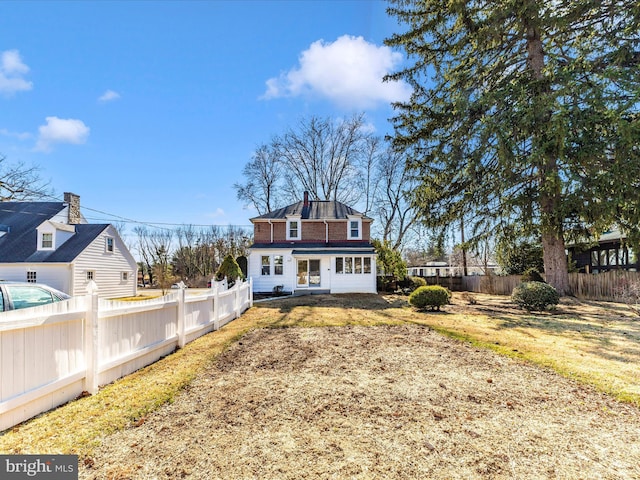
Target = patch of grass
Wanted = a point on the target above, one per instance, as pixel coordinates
(593, 346)
(584, 345)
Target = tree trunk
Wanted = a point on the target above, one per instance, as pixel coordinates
(553, 253)
(555, 263)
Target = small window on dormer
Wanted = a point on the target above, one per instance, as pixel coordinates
(109, 244)
(47, 240)
(293, 230)
(354, 229)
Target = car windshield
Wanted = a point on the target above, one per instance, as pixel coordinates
(24, 296)
(1, 301)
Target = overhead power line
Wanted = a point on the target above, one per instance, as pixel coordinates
(122, 219)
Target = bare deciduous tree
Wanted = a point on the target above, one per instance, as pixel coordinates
(20, 182)
(334, 160)
(322, 156)
(154, 247)
(392, 201)
(262, 175)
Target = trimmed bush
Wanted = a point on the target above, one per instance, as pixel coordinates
(433, 297)
(532, 275)
(409, 284)
(535, 296)
(229, 269)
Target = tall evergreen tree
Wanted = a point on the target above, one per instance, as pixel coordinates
(525, 116)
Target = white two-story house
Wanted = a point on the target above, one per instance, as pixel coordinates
(51, 243)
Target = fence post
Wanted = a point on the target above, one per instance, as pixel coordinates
(216, 306)
(91, 340)
(250, 293)
(181, 317)
(236, 298)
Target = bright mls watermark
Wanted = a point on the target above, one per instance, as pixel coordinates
(50, 467)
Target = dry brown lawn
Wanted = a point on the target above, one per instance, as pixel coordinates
(380, 393)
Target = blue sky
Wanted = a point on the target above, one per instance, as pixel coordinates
(149, 110)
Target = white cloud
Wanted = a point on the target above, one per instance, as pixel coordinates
(18, 135)
(61, 130)
(11, 73)
(348, 72)
(109, 96)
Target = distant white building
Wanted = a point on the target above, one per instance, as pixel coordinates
(443, 269)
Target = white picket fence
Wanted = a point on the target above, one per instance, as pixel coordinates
(51, 354)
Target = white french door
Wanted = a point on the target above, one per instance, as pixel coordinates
(308, 273)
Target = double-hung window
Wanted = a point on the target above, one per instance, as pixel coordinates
(266, 265)
(47, 240)
(267, 261)
(355, 265)
(109, 244)
(294, 229)
(354, 228)
(278, 264)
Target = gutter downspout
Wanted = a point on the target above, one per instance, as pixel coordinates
(326, 231)
(271, 229)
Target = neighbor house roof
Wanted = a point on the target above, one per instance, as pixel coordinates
(314, 210)
(19, 242)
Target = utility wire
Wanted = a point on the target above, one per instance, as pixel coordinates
(138, 222)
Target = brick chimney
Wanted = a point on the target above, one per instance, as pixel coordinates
(73, 202)
(306, 199)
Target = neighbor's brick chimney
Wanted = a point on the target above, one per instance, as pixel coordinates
(306, 199)
(73, 201)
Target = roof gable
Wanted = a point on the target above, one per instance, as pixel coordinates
(22, 219)
(20, 242)
(315, 210)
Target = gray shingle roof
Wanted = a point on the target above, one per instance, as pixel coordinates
(19, 244)
(316, 210)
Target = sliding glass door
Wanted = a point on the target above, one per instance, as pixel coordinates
(308, 273)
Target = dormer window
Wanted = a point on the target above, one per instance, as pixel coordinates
(293, 229)
(354, 228)
(47, 240)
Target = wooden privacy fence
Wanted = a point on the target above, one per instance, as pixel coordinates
(492, 284)
(52, 353)
(607, 286)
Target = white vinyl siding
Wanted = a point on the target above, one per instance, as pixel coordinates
(55, 275)
(354, 274)
(107, 267)
(264, 282)
(364, 282)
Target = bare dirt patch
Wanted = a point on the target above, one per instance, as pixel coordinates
(375, 402)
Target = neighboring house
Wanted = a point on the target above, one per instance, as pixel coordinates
(51, 243)
(443, 269)
(313, 246)
(610, 253)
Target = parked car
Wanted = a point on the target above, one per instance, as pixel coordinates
(15, 295)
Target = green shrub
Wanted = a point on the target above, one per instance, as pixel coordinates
(535, 296)
(532, 275)
(409, 284)
(229, 270)
(433, 296)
